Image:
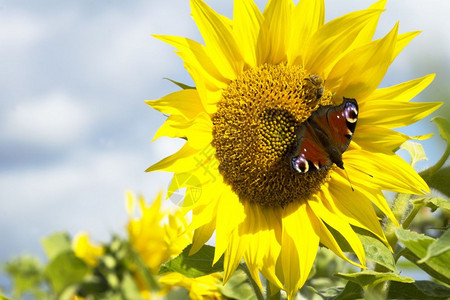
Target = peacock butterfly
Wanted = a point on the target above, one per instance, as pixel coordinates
(324, 136)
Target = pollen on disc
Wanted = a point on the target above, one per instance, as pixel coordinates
(254, 130)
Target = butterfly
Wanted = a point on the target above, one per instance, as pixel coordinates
(324, 136)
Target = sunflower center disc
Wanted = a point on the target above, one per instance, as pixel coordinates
(254, 131)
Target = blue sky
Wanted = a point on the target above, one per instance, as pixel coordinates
(75, 131)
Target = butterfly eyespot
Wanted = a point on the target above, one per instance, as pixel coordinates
(351, 112)
(300, 164)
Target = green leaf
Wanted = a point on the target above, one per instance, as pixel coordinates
(415, 150)
(417, 245)
(369, 277)
(64, 270)
(196, 265)
(439, 246)
(56, 244)
(444, 128)
(418, 290)
(439, 180)
(238, 287)
(3, 297)
(349, 292)
(433, 202)
(376, 251)
(181, 85)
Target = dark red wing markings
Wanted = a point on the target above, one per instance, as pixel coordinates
(311, 149)
(338, 125)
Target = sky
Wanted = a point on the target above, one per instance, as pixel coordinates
(75, 132)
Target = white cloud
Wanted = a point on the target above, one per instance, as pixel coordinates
(54, 120)
(19, 29)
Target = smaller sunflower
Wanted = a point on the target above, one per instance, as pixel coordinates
(157, 235)
(86, 250)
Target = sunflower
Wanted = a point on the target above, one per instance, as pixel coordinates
(157, 235)
(258, 79)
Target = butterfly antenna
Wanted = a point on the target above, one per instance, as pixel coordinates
(349, 180)
(362, 171)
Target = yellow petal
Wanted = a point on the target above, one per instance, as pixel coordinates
(202, 235)
(186, 159)
(402, 41)
(197, 131)
(393, 114)
(333, 38)
(308, 16)
(185, 103)
(300, 243)
(358, 73)
(327, 239)
(230, 215)
(356, 207)
(208, 80)
(378, 138)
(263, 248)
(233, 255)
(247, 21)
(219, 40)
(402, 92)
(366, 34)
(277, 15)
(389, 171)
(340, 225)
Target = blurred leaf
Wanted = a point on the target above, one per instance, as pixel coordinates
(444, 128)
(129, 288)
(56, 244)
(376, 251)
(27, 276)
(349, 292)
(144, 271)
(418, 290)
(196, 265)
(238, 287)
(369, 277)
(4, 298)
(415, 150)
(64, 270)
(439, 246)
(181, 85)
(439, 180)
(417, 245)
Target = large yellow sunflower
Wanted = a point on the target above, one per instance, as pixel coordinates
(258, 79)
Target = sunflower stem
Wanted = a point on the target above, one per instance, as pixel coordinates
(399, 208)
(431, 170)
(255, 286)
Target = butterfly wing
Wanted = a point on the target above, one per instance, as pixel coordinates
(309, 153)
(325, 136)
(339, 124)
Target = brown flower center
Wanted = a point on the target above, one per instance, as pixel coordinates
(254, 131)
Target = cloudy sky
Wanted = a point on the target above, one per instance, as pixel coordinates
(74, 129)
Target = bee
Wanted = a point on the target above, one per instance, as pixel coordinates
(317, 82)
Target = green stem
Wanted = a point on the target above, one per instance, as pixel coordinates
(430, 171)
(411, 216)
(255, 287)
(399, 207)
